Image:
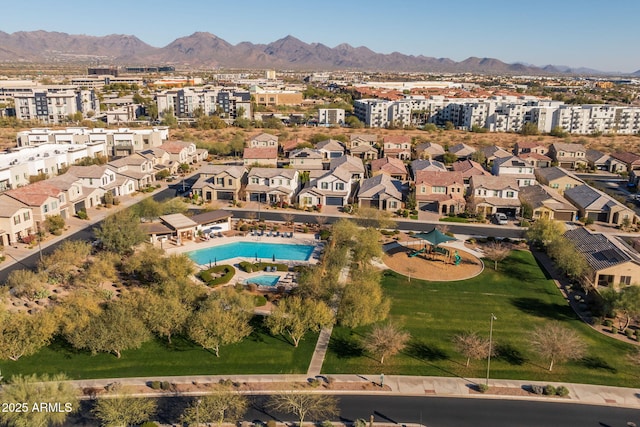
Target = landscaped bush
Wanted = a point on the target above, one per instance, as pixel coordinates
(607, 323)
(227, 274)
(614, 330)
(246, 266)
(324, 234)
(149, 424)
(549, 390)
(259, 300)
(271, 423)
(562, 391)
(260, 266)
(82, 214)
(165, 385)
(482, 388)
(244, 227)
(629, 333)
(537, 389)
(155, 385)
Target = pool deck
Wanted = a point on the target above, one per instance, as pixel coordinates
(287, 278)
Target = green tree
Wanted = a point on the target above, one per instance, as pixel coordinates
(294, 317)
(449, 125)
(529, 128)
(544, 231)
(385, 341)
(120, 232)
(367, 247)
(567, 257)
(23, 334)
(218, 407)
(449, 158)
(163, 315)
(184, 167)
(115, 329)
(222, 320)
(34, 391)
(54, 224)
(557, 343)
(628, 304)
(236, 145)
(375, 218)
(363, 302)
(479, 156)
(353, 122)
(168, 118)
(122, 409)
(304, 405)
(558, 132)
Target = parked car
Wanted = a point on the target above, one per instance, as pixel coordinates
(500, 219)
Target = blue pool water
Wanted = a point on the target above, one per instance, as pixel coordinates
(264, 280)
(263, 251)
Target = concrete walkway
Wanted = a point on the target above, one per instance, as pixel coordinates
(402, 386)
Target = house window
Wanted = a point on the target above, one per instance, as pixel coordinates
(510, 194)
(230, 181)
(220, 181)
(307, 200)
(324, 185)
(26, 216)
(16, 220)
(625, 280)
(393, 205)
(567, 186)
(45, 208)
(340, 186)
(439, 189)
(54, 205)
(555, 185)
(255, 180)
(423, 189)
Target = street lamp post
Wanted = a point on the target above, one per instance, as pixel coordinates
(493, 317)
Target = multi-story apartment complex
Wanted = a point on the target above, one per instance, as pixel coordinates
(330, 116)
(187, 101)
(54, 105)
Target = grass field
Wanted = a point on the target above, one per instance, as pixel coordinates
(518, 294)
(259, 354)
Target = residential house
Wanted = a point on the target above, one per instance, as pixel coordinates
(429, 150)
(558, 178)
(441, 192)
(569, 156)
(382, 192)
(331, 189)
(397, 146)
(516, 168)
(16, 220)
(306, 159)
(598, 160)
(288, 146)
(330, 148)
(462, 151)
(491, 194)
(160, 159)
(72, 198)
(213, 221)
(137, 167)
(365, 152)
(599, 206)
(220, 182)
(612, 263)
(468, 168)
(536, 160)
(493, 152)
(183, 152)
(426, 165)
(42, 198)
(271, 185)
(630, 160)
(104, 178)
(184, 228)
(547, 203)
(524, 147)
(353, 164)
(263, 140)
(260, 156)
(358, 139)
(391, 166)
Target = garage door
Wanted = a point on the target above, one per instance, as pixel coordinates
(253, 197)
(428, 206)
(507, 211)
(563, 216)
(597, 216)
(226, 195)
(334, 201)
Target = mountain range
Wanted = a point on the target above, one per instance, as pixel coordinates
(206, 50)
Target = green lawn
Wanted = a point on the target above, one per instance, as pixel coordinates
(259, 354)
(521, 298)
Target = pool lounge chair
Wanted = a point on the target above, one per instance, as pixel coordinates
(220, 234)
(277, 234)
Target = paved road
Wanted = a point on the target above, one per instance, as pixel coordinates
(467, 229)
(446, 412)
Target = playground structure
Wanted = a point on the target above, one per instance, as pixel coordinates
(435, 253)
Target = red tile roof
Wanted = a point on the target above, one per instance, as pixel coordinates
(34, 194)
(396, 139)
(389, 165)
(260, 153)
(174, 147)
(439, 178)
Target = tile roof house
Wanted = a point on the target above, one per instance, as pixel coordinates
(73, 198)
(352, 164)
(494, 152)
(220, 182)
(382, 192)
(426, 165)
(16, 221)
(569, 156)
(391, 166)
(558, 178)
(358, 139)
(137, 167)
(306, 159)
(514, 167)
(491, 194)
(364, 151)
(468, 168)
(397, 146)
(631, 160)
(429, 150)
(441, 192)
(330, 148)
(547, 203)
(182, 151)
(43, 199)
(271, 185)
(599, 206)
(263, 140)
(260, 156)
(333, 188)
(104, 178)
(523, 147)
(612, 263)
(462, 151)
(536, 160)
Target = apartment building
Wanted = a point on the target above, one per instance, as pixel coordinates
(330, 116)
(54, 105)
(187, 101)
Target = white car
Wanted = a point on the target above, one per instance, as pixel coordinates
(500, 219)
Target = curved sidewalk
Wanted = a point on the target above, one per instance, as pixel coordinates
(401, 386)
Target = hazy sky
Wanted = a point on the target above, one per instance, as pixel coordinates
(577, 33)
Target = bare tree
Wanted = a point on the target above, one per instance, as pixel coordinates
(321, 220)
(288, 218)
(496, 252)
(303, 405)
(385, 341)
(410, 269)
(251, 216)
(557, 343)
(472, 346)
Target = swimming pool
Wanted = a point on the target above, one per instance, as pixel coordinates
(252, 250)
(263, 280)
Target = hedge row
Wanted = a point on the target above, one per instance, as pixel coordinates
(261, 266)
(227, 274)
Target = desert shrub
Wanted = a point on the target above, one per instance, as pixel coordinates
(155, 385)
(549, 390)
(271, 423)
(165, 385)
(537, 389)
(327, 423)
(562, 391)
(482, 388)
(314, 382)
(246, 266)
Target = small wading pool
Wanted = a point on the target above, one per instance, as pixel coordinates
(264, 280)
(262, 251)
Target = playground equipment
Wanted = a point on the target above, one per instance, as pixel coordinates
(419, 251)
(456, 258)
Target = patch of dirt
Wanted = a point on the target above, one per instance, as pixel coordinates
(433, 267)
